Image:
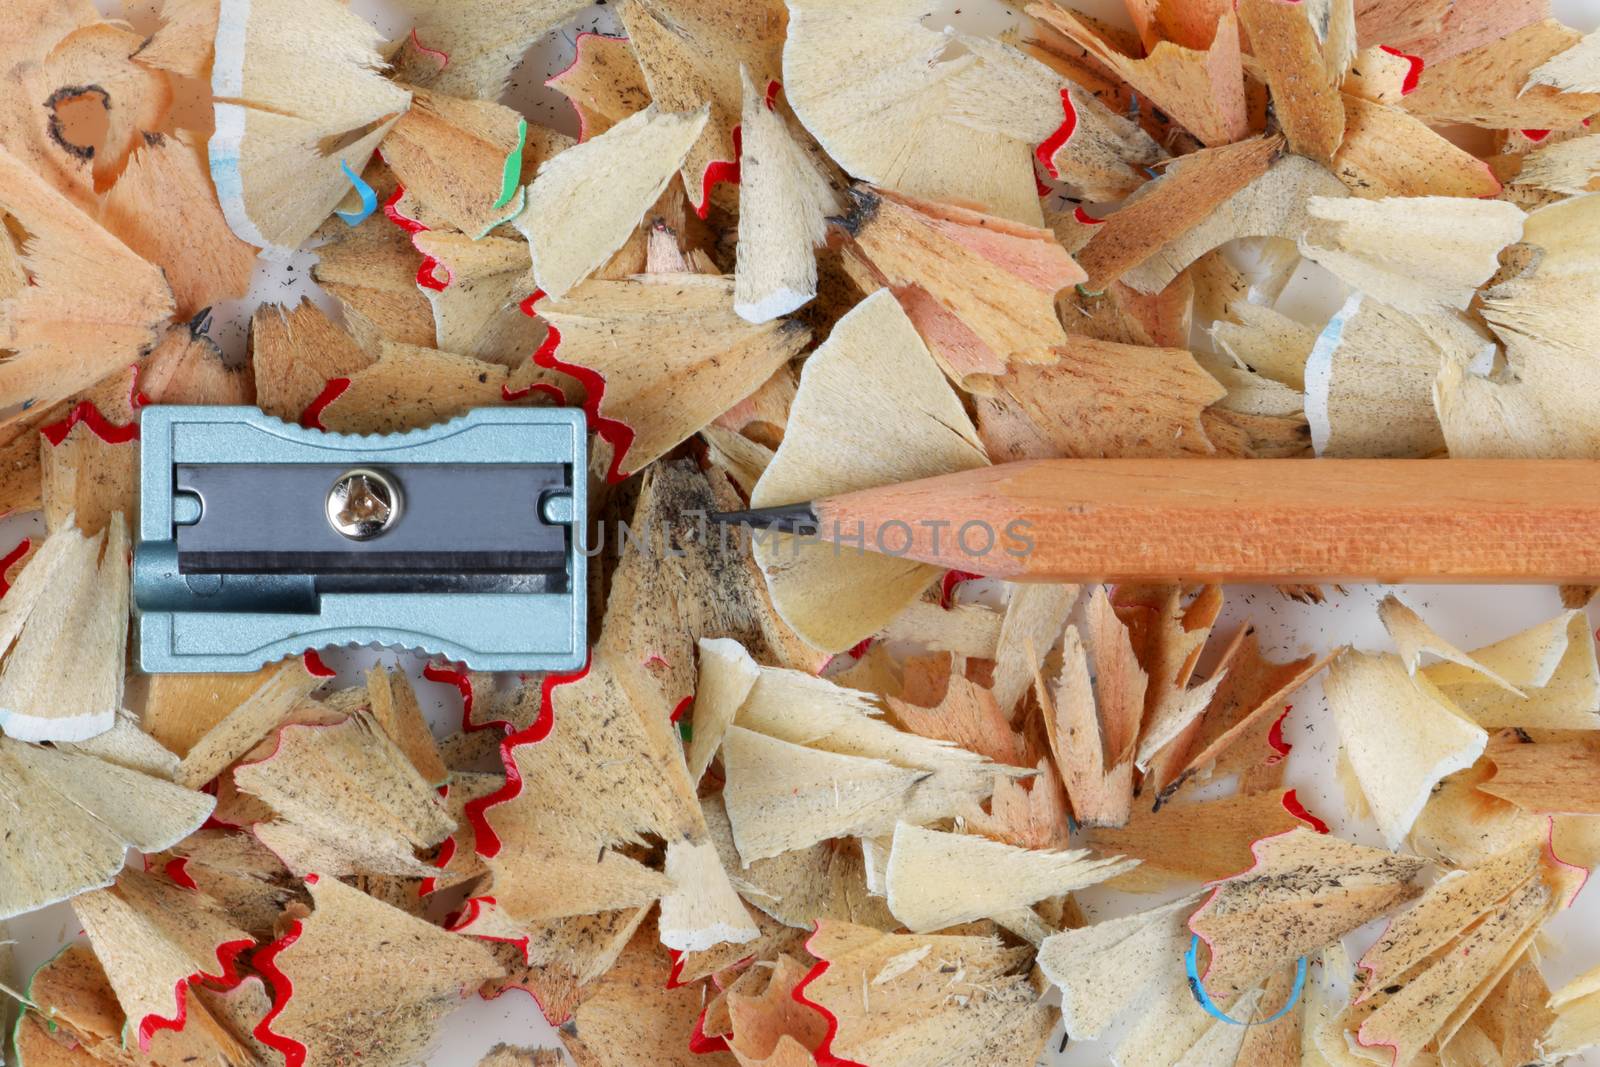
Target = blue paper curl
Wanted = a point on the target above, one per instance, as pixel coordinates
(369, 199)
(1192, 969)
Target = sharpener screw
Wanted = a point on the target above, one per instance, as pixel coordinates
(363, 503)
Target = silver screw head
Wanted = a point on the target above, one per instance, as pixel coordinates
(363, 503)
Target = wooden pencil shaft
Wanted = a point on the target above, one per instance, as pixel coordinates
(1218, 520)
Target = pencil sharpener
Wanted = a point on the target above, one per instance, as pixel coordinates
(260, 540)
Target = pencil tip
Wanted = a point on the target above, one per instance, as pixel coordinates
(785, 518)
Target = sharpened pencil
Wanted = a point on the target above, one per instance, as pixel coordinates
(1219, 520)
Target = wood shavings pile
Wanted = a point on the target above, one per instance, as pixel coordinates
(801, 808)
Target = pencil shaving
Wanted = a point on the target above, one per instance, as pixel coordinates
(584, 203)
(981, 291)
(470, 51)
(785, 198)
(927, 999)
(371, 272)
(604, 83)
(153, 939)
(692, 53)
(1304, 50)
(1201, 83)
(71, 600)
(91, 813)
(928, 890)
(710, 356)
(919, 146)
(461, 157)
(1262, 918)
(290, 78)
(333, 978)
(346, 801)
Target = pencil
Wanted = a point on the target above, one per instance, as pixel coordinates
(1273, 521)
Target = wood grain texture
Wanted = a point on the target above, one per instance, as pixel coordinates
(1215, 520)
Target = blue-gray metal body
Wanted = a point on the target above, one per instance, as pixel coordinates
(237, 565)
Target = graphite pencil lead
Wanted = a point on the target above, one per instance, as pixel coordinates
(785, 518)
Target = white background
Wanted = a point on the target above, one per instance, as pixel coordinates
(1467, 616)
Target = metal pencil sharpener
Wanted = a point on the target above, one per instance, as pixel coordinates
(260, 540)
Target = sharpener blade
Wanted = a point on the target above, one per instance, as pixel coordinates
(458, 518)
